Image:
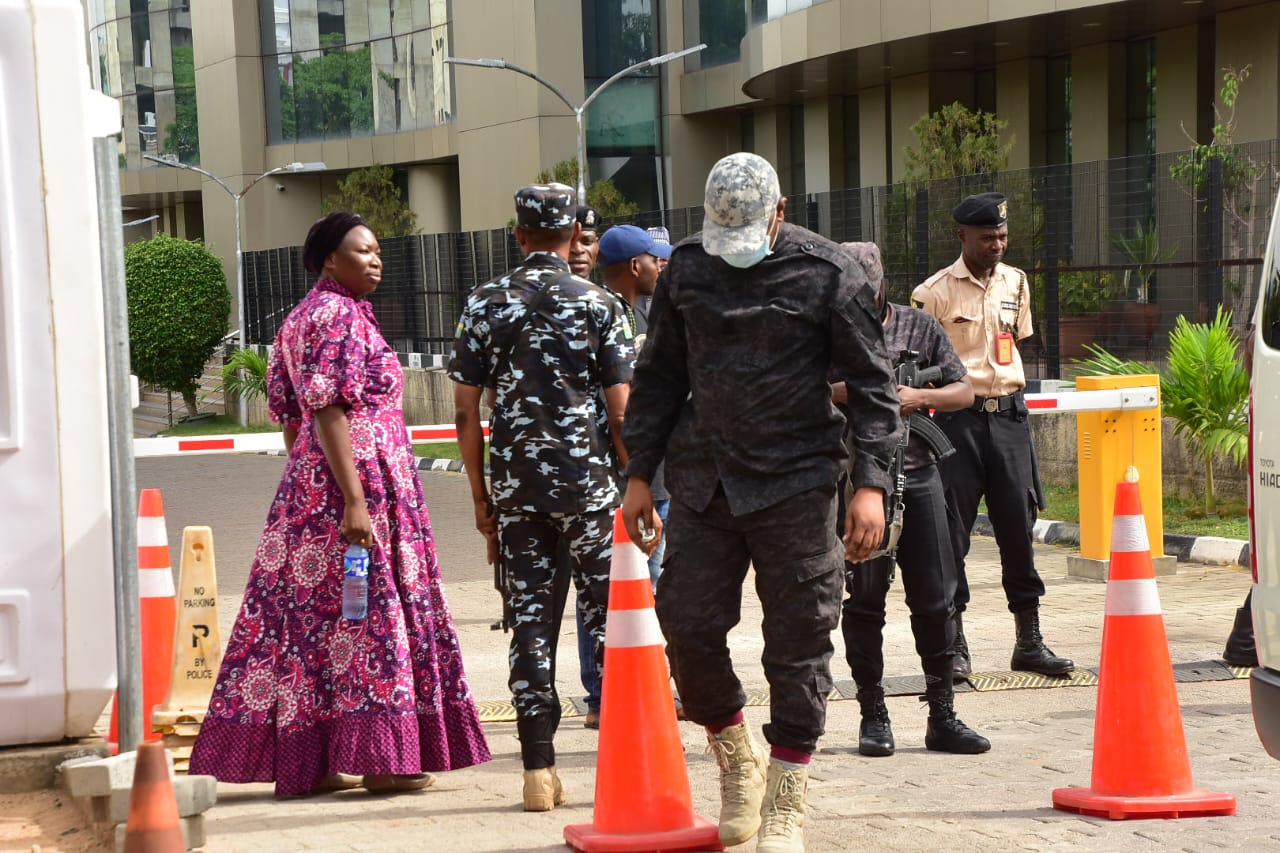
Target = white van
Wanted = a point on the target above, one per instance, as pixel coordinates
(1264, 494)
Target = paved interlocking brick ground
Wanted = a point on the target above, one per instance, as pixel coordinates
(915, 800)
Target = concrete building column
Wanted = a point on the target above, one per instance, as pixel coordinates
(873, 130)
(1020, 97)
(509, 127)
(910, 103)
(230, 98)
(1177, 95)
(433, 193)
(817, 146)
(1250, 37)
(1097, 91)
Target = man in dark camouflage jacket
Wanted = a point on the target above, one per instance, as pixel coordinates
(559, 374)
(731, 387)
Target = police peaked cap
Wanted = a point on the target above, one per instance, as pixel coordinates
(984, 210)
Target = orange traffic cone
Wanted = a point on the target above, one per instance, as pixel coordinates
(158, 612)
(643, 801)
(154, 825)
(1140, 764)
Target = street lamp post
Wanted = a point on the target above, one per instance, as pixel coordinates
(291, 168)
(578, 111)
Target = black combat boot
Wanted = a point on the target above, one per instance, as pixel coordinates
(945, 732)
(875, 735)
(1241, 649)
(961, 666)
(1030, 653)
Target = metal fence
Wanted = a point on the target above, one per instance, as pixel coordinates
(1114, 250)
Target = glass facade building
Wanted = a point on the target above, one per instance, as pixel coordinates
(334, 69)
(141, 53)
(622, 124)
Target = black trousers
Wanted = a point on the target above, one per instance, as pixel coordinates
(794, 551)
(928, 578)
(992, 460)
(535, 547)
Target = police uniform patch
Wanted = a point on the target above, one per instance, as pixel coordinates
(916, 303)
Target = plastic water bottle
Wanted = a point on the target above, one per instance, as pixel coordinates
(355, 582)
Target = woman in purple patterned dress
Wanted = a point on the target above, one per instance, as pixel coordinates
(305, 696)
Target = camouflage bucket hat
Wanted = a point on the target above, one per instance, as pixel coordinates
(742, 191)
(548, 206)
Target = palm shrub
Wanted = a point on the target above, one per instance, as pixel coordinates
(1204, 389)
(244, 376)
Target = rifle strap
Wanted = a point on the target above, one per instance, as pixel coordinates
(502, 358)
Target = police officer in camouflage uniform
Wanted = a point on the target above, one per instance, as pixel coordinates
(557, 351)
(731, 388)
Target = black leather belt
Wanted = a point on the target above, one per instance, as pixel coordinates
(994, 404)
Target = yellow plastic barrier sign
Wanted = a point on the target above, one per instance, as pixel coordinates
(197, 652)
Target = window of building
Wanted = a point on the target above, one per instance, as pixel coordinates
(1057, 110)
(795, 186)
(747, 131)
(341, 68)
(1140, 101)
(1138, 176)
(622, 122)
(145, 59)
(984, 90)
(720, 25)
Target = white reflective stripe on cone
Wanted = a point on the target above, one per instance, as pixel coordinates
(155, 583)
(151, 532)
(628, 563)
(1132, 598)
(629, 629)
(1129, 534)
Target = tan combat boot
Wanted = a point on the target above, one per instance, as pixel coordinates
(742, 768)
(782, 814)
(542, 790)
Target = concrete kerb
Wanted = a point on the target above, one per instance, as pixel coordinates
(1215, 550)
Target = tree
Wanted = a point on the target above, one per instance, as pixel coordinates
(957, 152)
(178, 305)
(603, 195)
(957, 141)
(182, 136)
(1242, 191)
(1204, 389)
(372, 193)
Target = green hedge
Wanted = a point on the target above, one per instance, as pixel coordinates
(178, 307)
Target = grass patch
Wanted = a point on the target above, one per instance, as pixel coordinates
(1181, 515)
(444, 450)
(216, 425)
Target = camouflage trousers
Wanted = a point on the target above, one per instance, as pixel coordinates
(543, 553)
(798, 576)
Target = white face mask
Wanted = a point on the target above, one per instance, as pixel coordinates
(745, 260)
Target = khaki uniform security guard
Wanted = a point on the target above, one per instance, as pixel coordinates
(984, 306)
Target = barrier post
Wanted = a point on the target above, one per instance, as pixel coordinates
(1107, 443)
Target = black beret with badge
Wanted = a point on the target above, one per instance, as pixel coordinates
(588, 218)
(984, 210)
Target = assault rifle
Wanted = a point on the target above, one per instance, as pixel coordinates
(500, 584)
(910, 375)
